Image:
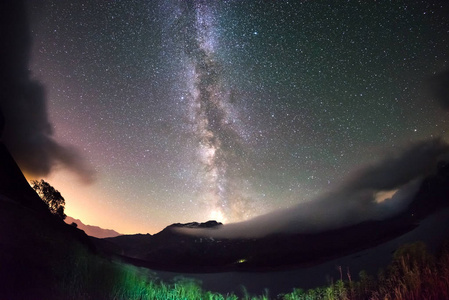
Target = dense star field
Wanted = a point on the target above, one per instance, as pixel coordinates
(226, 110)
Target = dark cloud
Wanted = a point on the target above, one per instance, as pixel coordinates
(398, 175)
(27, 131)
(398, 169)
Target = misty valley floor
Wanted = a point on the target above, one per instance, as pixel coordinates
(433, 231)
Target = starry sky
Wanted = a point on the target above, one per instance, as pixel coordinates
(197, 110)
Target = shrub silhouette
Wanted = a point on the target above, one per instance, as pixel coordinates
(50, 196)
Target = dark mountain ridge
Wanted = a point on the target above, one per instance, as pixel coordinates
(35, 245)
(16, 191)
(208, 224)
(175, 251)
(92, 230)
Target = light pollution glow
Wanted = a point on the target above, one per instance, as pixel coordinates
(227, 110)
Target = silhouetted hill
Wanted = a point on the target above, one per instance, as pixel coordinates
(172, 250)
(90, 230)
(35, 245)
(13, 184)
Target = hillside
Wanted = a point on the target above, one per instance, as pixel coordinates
(36, 247)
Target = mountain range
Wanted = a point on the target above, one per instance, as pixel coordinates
(175, 251)
(91, 230)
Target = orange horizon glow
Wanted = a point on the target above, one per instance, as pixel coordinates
(79, 205)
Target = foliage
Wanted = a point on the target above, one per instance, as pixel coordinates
(88, 276)
(413, 274)
(50, 196)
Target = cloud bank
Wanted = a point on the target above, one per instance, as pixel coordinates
(24, 122)
(374, 192)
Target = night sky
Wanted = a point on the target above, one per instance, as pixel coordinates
(197, 110)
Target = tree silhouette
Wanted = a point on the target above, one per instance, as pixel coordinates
(50, 196)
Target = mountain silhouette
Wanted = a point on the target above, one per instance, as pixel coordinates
(176, 251)
(35, 245)
(91, 230)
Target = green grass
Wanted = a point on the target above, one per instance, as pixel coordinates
(87, 276)
(413, 274)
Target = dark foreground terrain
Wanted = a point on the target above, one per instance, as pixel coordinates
(33, 242)
(42, 257)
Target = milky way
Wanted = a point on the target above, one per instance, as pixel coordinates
(192, 110)
(214, 120)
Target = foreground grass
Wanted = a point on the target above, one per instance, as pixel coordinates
(98, 278)
(413, 274)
